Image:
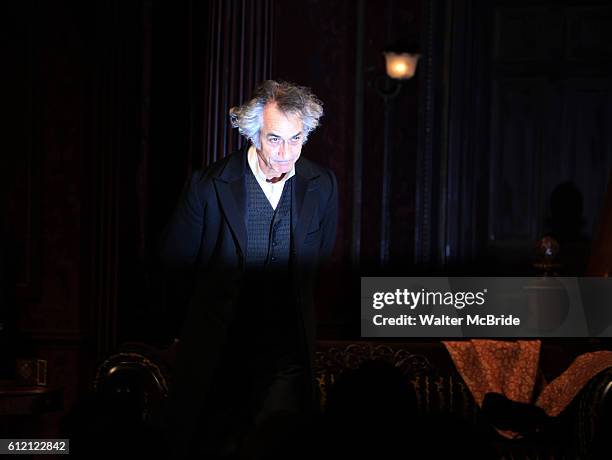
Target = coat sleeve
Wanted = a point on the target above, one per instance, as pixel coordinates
(330, 219)
(180, 240)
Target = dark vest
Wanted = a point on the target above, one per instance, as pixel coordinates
(268, 230)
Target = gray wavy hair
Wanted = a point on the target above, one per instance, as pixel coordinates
(289, 97)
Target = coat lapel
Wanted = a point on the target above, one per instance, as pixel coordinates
(306, 186)
(231, 189)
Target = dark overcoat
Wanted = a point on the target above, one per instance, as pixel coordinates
(208, 232)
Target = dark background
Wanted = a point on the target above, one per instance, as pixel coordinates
(109, 105)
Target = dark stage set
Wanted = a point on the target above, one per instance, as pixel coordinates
(503, 137)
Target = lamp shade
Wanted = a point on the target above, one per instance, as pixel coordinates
(401, 66)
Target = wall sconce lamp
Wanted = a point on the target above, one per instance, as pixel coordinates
(400, 66)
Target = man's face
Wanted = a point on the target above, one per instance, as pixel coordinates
(281, 141)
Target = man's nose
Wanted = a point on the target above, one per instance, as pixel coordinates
(282, 149)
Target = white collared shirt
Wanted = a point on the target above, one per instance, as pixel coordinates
(273, 191)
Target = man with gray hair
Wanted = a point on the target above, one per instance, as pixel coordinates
(255, 226)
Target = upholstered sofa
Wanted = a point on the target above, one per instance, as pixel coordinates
(144, 373)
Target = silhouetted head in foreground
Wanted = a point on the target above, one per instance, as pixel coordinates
(373, 411)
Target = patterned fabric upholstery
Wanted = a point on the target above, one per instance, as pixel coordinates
(575, 433)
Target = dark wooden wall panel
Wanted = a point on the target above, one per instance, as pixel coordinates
(588, 32)
(22, 157)
(551, 112)
(48, 177)
(516, 142)
(528, 33)
(42, 158)
(524, 107)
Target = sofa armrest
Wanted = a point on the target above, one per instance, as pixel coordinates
(593, 420)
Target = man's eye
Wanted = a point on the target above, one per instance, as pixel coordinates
(297, 138)
(274, 140)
